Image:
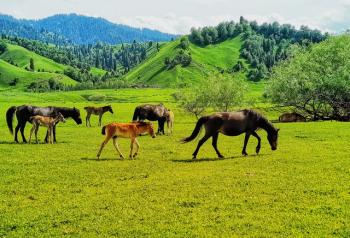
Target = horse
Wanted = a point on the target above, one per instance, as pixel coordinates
(97, 111)
(233, 124)
(125, 130)
(292, 117)
(151, 113)
(23, 114)
(48, 122)
(170, 121)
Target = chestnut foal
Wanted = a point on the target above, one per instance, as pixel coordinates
(125, 130)
(48, 122)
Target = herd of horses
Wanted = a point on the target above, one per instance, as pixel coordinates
(228, 123)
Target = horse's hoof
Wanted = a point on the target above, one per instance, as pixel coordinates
(244, 154)
(194, 157)
(135, 155)
(221, 157)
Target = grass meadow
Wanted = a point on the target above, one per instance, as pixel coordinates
(302, 189)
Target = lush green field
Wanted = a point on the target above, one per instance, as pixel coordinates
(204, 60)
(302, 189)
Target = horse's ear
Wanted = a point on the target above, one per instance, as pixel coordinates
(278, 130)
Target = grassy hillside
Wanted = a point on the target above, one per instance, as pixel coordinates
(20, 58)
(9, 72)
(204, 60)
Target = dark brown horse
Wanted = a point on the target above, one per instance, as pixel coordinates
(152, 113)
(97, 111)
(292, 117)
(234, 124)
(25, 112)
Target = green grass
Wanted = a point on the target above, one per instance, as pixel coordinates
(302, 189)
(97, 71)
(205, 60)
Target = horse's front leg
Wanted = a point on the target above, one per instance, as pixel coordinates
(16, 132)
(246, 139)
(100, 120)
(259, 142)
(54, 133)
(132, 147)
(137, 147)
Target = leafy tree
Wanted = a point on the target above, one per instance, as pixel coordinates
(3, 47)
(31, 64)
(315, 82)
(220, 92)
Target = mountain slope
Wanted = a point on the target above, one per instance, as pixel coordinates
(19, 58)
(9, 72)
(77, 29)
(205, 60)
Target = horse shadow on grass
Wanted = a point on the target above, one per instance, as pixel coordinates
(105, 159)
(215, 159)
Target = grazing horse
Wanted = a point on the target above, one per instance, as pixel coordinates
(233, 124)
(48, 122)
(170, 121)
(97, 111)
(125, 130)
(23, 114)
(292, 117)
(152, 113)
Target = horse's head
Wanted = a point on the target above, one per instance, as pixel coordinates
(110, 109)
(76, 116)
(273, 139)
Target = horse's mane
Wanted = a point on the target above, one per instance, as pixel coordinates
(263, 121)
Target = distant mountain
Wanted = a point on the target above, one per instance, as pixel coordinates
(77, 29)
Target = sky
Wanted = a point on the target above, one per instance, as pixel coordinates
(178, 16)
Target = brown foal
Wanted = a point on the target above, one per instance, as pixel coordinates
(125, 130)
(48, 122)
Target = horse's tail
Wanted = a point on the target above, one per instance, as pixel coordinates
(136, 114)
(196, 130)
(103, 130)
(9, 117)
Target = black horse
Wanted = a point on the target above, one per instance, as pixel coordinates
(233, 124)
(152, 113)
(23, 114)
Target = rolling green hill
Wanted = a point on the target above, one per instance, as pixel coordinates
(212, 58)
(9, 72)
(19, 58)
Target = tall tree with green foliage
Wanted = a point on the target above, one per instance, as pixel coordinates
(31, 64)
(316, 82)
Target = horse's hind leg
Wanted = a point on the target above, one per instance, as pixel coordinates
(36, 132)
(259, 142)
(31, 133)
(200, 143)
(88, 120)
(23, 126)
(215, 145)
(102, 146)
(16, 132)
(115, 143)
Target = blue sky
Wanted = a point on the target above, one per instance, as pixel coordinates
(180, 15)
